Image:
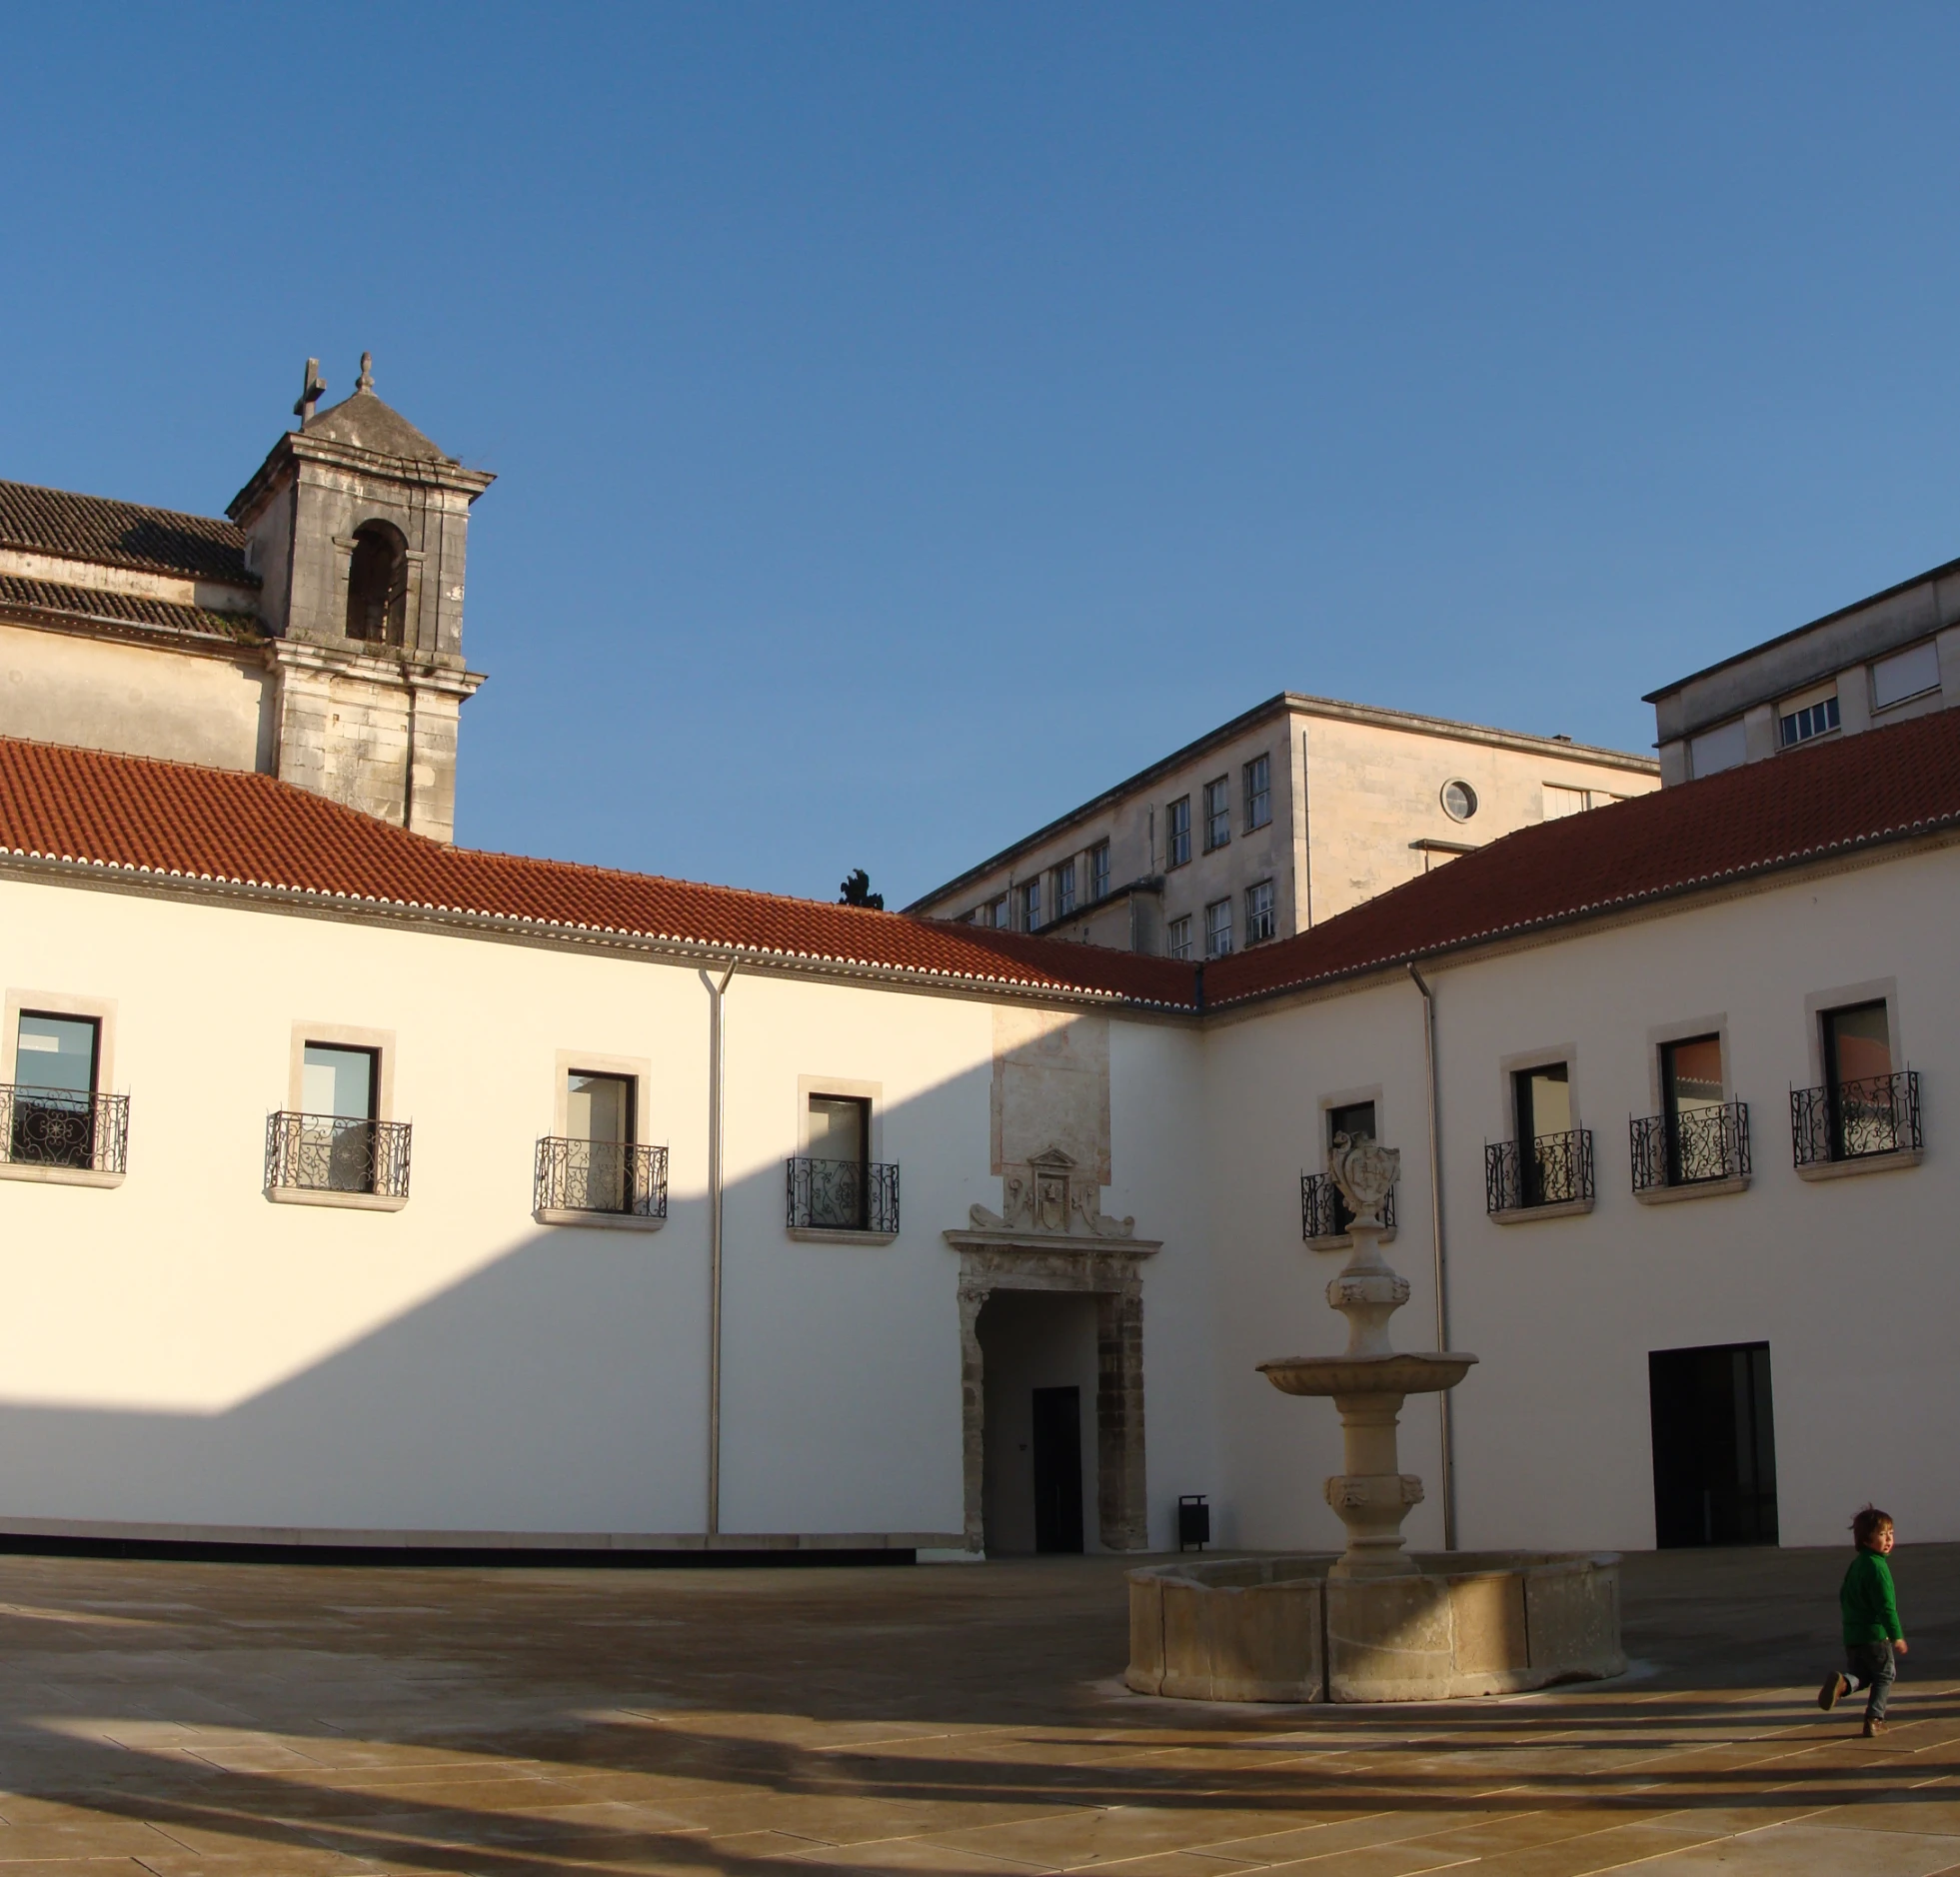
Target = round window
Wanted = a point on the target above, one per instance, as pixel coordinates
(1460, 801)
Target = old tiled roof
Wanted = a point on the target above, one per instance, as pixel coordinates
(1805, 805)
(174, 819)
(47, 596)
(121, 534)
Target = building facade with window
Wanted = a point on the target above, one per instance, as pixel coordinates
(1282, 818)
(1878, 661)
(360, 1188)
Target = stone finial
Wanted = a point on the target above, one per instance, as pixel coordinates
(1366, 1175)
(312, 389)
(365, 380)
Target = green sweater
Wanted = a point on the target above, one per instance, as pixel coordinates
(1871, 1610)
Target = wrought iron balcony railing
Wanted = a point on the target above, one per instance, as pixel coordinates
(1555, 1170)
(1325, 1213)
(1851, 1119)
(600, 1177)
(332, 1153)
(60, 1127)
(1684, 1149)
(844, 1196)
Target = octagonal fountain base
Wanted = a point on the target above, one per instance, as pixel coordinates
(1465, 1623)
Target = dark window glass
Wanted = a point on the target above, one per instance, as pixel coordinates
(1690, 1084)
(1064, 888)
(839, 1152)
(1098, 870)
(57, 1052)
(1544, 1108)
(1258, 792)
(1218, 814)
(1177, 832)
(54, 1075)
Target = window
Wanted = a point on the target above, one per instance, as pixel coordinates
(1549, 1162)
(1064, 888)
(1724, 746)
(1098, 871)
(1218, 814)
(1177, 832)
(53, 1107)
(996, 913)
(1217, 928)
(337, 1095)
(1908, 674)
(1561, 801)
(378, 585)
(1691, 1109)
(1813, 719)
(1177, 938)
(599, 1132)
(1030, 904)
(1258, 793)
(1460, 801)
(837, 1164)
(331, 1137)
(1258, 911)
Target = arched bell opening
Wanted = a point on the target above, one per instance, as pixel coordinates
(378, 585)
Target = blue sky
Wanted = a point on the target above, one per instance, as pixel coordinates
(910, 420)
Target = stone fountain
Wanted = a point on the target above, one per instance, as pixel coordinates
(1375, 1623)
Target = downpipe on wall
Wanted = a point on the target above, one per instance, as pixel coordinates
(718, 1055)
(1447, 1484)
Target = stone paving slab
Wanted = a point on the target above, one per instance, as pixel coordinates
(213, 1720)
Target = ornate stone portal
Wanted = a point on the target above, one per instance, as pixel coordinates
(1052, 1235)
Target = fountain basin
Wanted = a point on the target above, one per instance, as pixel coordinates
(1401, 1373)
(1463, 1624)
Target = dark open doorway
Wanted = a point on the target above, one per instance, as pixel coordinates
(1714, 1445)
(1057, 1457)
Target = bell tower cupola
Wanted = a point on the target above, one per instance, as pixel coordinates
(356, 524)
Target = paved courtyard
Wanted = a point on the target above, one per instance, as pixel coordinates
(185, 1718)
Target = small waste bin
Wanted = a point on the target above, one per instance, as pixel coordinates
(1194, 1520)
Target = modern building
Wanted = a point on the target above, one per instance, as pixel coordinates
(1281, 819)
(1881, 659)
(358, 1189)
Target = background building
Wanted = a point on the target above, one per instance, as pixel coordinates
(1879, 661)
(1292, 812)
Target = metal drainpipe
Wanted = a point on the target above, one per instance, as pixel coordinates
(1448, 1480)
(716, 1101)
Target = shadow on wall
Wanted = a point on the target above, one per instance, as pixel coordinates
(563, 1388)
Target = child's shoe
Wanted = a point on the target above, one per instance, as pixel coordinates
(1873, 1728)
(1836, 1688)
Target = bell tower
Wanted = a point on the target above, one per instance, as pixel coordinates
(356, 524)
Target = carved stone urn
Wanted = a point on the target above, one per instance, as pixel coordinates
(1369, 1380)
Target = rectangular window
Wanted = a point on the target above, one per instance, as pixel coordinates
(1690, 1106)
(1258, 911)
(599, 1138)
(1561, 801)
(1543, 1099)
(996, 913)
(1030, 904)
(1218, 814)
(338, 1089)
(1177, 938)
(1098, 871)
(1217, 928)
(1258, 793)
(1815, 720)
(1908, 674)
(1177, 832)
(840, 1162)
(53, 1107)
(1064, 888)
(1867, 1107)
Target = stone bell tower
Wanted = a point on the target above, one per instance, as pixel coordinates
(356, 524)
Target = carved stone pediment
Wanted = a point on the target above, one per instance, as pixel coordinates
(1049, 1194)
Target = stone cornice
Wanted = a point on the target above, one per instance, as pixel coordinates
(295, 447)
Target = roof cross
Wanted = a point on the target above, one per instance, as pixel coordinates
(312, 389)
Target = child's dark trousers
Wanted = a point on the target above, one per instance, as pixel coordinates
(1871, 1665)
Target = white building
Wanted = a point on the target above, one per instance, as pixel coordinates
(355, 1187)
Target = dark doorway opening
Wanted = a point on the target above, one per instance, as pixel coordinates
(1714, 1445)
(1057, 1457)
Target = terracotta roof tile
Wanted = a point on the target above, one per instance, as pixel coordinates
(47, 596)
(121, 534)
(1805, 804)
(168, 818)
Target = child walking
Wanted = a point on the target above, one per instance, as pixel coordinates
(1872, 1630)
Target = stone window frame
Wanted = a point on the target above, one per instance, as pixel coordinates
(102, 1013)
(1681, 1030)
(637, 1069)
(1871, 991)
(340, 1036)
(1508, 1068)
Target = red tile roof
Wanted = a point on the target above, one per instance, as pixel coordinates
(171, 819)
(122, 533)
(1806, 804)
(36, 597)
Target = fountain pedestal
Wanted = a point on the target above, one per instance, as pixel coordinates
(1375, 1624)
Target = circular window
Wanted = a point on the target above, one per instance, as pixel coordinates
(1460, 801)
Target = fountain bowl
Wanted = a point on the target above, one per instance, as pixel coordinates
(1461, 1624)
(1401, 1373)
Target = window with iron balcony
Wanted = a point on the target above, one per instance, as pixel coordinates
(1865, 1116)
(55, 1124)
(1698, 1142)
(1547, 1168)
